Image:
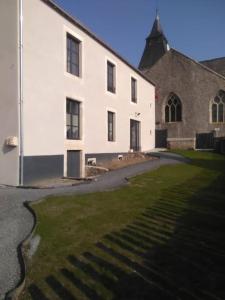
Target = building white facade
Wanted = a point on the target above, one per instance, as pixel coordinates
(37, 86)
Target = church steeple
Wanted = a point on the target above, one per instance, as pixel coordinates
(156, 46)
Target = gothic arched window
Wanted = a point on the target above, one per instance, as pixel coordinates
(173, 109)
(218, 108)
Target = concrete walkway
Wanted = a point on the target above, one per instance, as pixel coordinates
(16, 221)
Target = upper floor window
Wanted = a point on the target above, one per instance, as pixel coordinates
(111, 74)
(133, 90)
(218, 108)
(111, 126)
(73, 55)
(173, 110)
(72, 119)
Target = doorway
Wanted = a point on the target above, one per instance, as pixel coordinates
(205, 140)
(161, 138)
(73, 163)
(134, 135)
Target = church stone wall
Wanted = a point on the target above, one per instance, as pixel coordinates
(181, 143)
(196, 86)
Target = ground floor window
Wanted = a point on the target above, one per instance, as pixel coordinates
(72, 119)
(111, 126)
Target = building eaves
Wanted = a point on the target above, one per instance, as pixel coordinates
(216, 64)
(82, 27)
(213, 59)
(198, 63)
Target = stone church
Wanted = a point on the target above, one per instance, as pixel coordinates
(190, 95)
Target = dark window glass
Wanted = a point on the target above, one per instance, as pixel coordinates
(111, 77)
(111, 126)
(220, 112)
(178, 113)
(218, 108)
(73, 55)
(133, 90)
(72, 119)
(167, 113)
(173, 113)
(214, 113)
(173, 109)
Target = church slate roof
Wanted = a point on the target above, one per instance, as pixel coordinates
(216, 64)
(156, 46)
(156, 30)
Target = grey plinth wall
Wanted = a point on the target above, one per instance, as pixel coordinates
(38, 168)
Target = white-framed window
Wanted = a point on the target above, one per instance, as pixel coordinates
(173, 109)
(73, 55)
(218, 108)
(111, 77)
(111, 126)
(72, 119)
(133, 90)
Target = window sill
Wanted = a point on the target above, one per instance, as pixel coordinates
(111, 90)
(73, 76)
(132, 150)
(134, 101)
(73, 139)
(173, 122)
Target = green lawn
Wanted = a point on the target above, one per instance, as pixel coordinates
(161, 237)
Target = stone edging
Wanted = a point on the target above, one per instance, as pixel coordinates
(52, 187)
(16, 292)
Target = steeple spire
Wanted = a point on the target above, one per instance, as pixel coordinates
(156, 29)
(156, 45)
(157, 13)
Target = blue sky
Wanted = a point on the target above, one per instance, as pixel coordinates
(194, 27)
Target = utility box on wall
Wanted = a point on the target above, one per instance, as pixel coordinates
(12, 141)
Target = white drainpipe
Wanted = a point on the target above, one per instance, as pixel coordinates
(21, 152)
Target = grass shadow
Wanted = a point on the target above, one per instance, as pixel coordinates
(173, 250)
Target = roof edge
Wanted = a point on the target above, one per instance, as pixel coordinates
(77, 23)
(213, 59)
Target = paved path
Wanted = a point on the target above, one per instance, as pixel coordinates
(16, 221)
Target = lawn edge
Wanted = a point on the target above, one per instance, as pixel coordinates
(15, 293)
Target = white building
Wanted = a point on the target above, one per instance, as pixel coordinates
(65, 96)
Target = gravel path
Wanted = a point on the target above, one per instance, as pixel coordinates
(16, 221)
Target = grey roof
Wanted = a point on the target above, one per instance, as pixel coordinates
(71, 19)
(156, 30)
(216, 64)
(155, 48)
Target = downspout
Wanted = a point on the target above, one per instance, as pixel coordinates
(21, 150)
